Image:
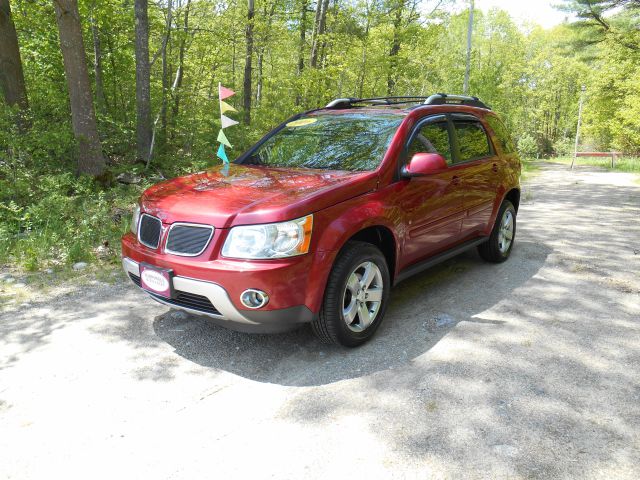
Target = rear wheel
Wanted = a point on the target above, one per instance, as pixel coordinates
(356, 296)
(498, 248)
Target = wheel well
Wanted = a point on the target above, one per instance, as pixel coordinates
(514, 197)
(382, 238)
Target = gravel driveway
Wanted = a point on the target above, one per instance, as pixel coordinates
(528, 369)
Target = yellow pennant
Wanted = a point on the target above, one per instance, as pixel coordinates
(222, 138)
(225, 107)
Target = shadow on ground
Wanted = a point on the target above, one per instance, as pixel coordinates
(423, 310)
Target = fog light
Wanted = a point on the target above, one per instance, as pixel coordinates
(252, 298)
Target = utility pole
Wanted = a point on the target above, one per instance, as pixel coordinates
(575, 147)
(465, 87)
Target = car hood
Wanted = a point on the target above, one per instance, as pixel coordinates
(231, 195)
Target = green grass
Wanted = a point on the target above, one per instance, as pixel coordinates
(529, 170)
(623, 164)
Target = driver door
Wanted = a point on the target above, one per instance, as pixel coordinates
(432, 205)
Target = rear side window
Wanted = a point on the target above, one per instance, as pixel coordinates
(432, 138)
(473, 142)
(502, 134)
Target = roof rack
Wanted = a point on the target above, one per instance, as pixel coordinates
(349, 102)
(445, 99)
(437, 99)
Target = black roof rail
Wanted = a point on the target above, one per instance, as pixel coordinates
(445, 99)
(436, 99)
(350, 102)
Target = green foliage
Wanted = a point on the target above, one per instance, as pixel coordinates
(564, 146)
(527, 146)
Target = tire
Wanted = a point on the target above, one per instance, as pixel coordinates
(345, 297)
(495, 249)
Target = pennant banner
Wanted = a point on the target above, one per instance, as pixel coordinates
(222, 154)
(225, 107)
(222, 138)
(224, 92)
(227, 122)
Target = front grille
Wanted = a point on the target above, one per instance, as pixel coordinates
(199, 303)
(188, 239)
(149, 232)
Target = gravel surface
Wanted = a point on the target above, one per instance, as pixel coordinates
(528, 369)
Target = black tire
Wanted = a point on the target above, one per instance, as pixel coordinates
(330, 325)
(490, 250)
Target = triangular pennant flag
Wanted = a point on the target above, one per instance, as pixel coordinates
(227, 122)
(225, 107)
(222, 138)
(224, 92)
(222, 154)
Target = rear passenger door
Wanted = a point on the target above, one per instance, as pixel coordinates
(478, 164)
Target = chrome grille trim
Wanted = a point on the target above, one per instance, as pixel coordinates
(193, 225)
(156, 219)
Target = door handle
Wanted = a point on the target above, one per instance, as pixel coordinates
(495, 167)
(455, 180)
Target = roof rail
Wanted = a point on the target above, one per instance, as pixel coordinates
(349, 102)
(436, 99)
(445, 99)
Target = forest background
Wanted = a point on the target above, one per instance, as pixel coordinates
(96, 90)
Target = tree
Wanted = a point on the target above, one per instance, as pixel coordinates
(83, 118)
(162, 138)
(246, 85)
(11, 74)
(318, 30)
(621, 24)
(143, 85)
(101, 102)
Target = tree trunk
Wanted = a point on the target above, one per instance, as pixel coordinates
(11, 75)
(318, 29)
(395, 48)
(143, 82)
(101, 102)
(180, 72)
(268, 14)
(365, 43)
(90, 158)
(303, 34)
(246, 86)
(119, 106)
(162, 137)
(259, 83)
(302, 41)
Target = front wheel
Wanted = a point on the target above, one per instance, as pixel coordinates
(498, 248)
(356, 296)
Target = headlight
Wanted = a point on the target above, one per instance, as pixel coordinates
(273, 240)
(134, 219)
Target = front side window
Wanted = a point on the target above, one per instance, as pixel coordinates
(473, 142)
(432, 138)
(350, 141)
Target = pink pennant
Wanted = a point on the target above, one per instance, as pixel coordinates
(224, 92)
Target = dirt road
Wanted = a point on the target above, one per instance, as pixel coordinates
(528, 369)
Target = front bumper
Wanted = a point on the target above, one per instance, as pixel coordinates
(191, 298)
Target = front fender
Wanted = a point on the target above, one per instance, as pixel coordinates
(334, 226)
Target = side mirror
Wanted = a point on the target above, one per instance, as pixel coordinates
(424, 164)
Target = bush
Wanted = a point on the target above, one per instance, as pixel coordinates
(527, 146)
(563, 147)
(58, 219)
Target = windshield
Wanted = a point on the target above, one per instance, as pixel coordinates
(353, 141)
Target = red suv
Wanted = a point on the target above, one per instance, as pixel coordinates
(318, 220)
